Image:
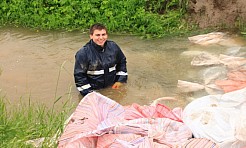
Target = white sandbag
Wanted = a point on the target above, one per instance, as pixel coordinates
(218, 118)
(231, 61)
(186, 86)
(211, 74)
(233, 51)
(206, 39)
(205, 59)
(241, 125)
(213, 89)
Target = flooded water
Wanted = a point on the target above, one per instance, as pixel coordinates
(37, 67)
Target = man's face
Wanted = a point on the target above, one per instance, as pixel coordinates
(99, 37)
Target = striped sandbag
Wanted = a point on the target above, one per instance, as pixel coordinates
(200, 143)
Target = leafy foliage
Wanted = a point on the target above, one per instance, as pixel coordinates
(154, 18)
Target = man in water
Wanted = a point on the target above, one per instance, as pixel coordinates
(99, 63)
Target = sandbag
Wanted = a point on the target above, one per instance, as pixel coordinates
(232, 62)
(236, 79)
(206, 39)
(205, 59)
(219, 118)
(185, 86)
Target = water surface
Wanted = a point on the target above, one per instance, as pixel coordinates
(37, 66)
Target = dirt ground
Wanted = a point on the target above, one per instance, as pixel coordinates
(212, 13)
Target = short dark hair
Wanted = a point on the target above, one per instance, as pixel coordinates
(97, 26)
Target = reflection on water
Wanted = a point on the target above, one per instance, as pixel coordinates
(39, 66)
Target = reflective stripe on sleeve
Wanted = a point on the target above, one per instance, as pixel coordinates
(112, 68)
(84, 87)
(121, 73)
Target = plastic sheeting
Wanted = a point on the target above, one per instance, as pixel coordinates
(101, 122)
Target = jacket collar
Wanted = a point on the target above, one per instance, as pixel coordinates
(97, 47)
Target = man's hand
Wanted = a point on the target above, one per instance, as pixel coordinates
(117, 85)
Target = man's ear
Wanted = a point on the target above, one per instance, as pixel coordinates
(91, 36)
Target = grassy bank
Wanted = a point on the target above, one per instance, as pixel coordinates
(27, 125)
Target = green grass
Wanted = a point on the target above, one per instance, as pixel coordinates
(22, 123)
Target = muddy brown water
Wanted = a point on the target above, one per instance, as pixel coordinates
(37, 67)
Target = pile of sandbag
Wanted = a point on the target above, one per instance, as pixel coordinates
(99, 122)
(220, 115)
(230, 76)
(223, 73)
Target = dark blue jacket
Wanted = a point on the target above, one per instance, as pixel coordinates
(97, 67)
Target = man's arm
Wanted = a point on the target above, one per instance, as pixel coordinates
(80, 74)
(121, 70)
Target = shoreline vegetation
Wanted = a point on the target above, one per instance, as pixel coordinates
(27, 125)
(145, 18)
